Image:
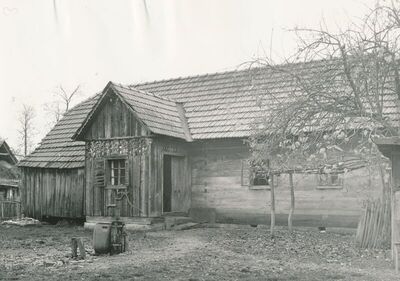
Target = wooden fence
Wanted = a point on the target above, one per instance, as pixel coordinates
(374, 228)
(9, 209)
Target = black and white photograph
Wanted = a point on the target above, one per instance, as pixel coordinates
(200, 140)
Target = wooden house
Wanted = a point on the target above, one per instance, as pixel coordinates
(9, 182)
(178, 146)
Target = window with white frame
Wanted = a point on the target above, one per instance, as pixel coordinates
(117, 175)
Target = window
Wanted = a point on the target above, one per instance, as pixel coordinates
(329, 180)
(260, 178)
(259, 174)
(117, 172)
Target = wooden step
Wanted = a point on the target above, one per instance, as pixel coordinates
(174, 221)
(126, 220)
(185, 226)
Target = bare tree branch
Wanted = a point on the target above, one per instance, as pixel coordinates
(26, 130)
(62, 104)
(345, 89)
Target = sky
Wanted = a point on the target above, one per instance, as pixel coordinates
(48, 43)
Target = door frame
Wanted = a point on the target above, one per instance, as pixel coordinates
(176, 154)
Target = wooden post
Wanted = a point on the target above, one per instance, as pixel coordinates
(291, 211)
(272, 206)
(392, 219)
(74, 248)
(396, 257)
(82, 252)
(2, 209)
(75, 244)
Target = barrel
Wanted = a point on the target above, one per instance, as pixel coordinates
(102, 238)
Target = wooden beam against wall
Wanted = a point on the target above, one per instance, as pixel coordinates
(272, 206)
(291, 211)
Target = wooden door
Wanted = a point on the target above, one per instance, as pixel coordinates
(180, 192)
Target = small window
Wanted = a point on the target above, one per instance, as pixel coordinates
(329, 180)
(117, 172)
(259, 173)
(260, 178)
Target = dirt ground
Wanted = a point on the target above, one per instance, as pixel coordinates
(225, 253)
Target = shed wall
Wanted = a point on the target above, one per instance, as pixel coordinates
(53, 192)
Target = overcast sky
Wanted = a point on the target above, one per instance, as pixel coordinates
(90, 42)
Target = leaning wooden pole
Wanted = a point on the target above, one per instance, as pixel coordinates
(291, 211)
(272, 206)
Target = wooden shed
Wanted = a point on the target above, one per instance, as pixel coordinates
(53, 175)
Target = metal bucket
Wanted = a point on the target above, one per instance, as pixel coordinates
(102, 238)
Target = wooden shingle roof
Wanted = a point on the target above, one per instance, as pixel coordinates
(160, 115)
(211, 106)
(225, 105)
(57, 149)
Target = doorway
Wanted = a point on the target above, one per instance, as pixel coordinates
(167, 185)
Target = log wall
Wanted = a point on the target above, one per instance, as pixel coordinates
(52, 192)
(218, 184)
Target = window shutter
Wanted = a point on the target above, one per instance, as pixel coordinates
(245, 180)
(99, 173)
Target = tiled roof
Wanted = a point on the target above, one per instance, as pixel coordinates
(220, 105)
(224, 105)
(57, 150)
(159, 114)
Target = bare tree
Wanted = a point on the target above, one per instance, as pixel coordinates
(26, 130)
(344, 91)
(63, 102)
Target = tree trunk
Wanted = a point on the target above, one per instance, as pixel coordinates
(272, 206)
(290, 217)
(25, 141)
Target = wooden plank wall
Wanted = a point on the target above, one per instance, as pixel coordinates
(97, 180)
(53, 192)
(112, 120)
(9, 209)
(145, 179)
(217, 184)
(115, 122)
